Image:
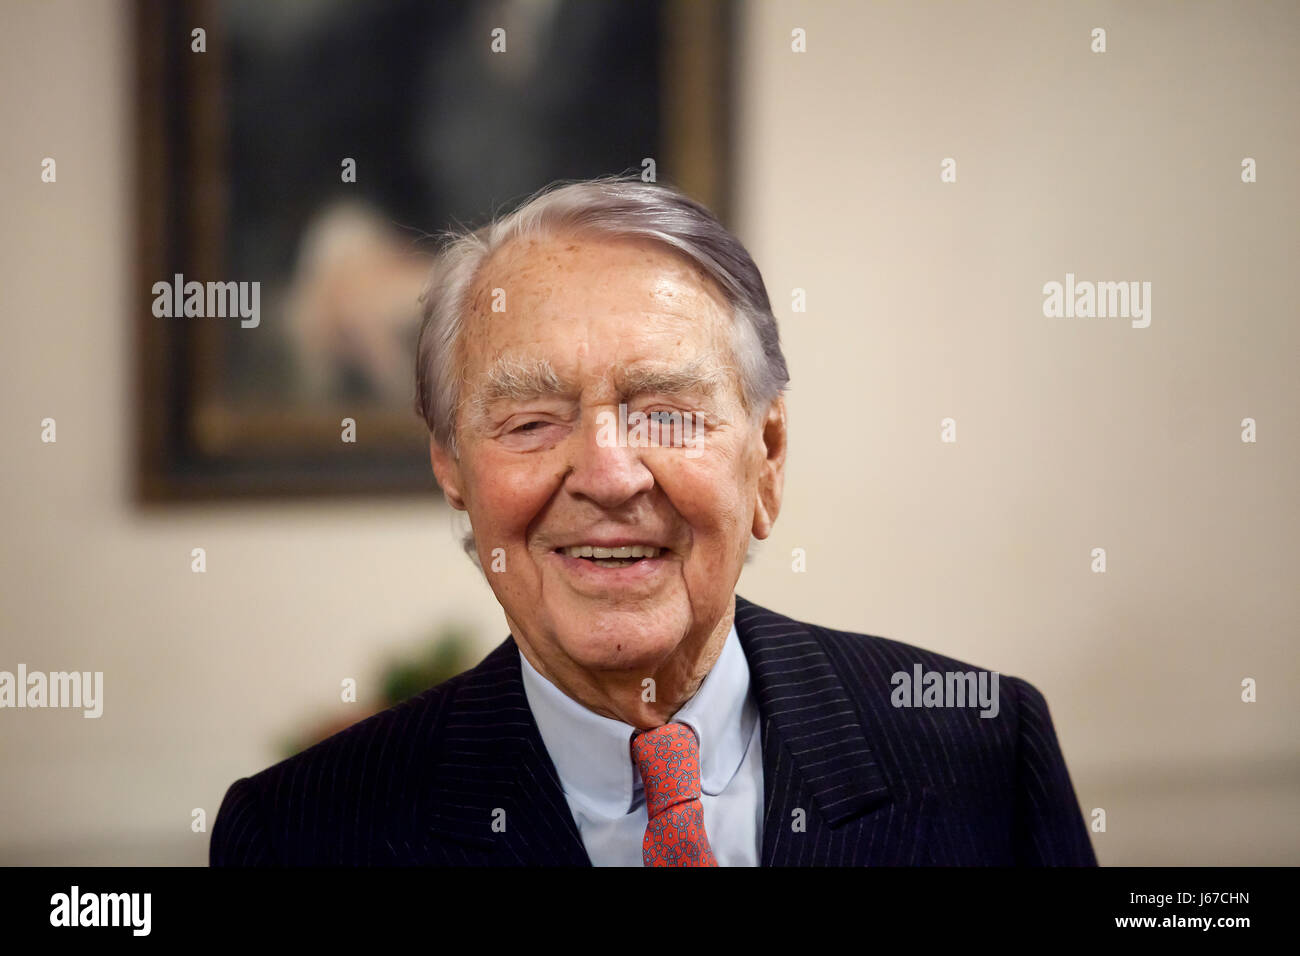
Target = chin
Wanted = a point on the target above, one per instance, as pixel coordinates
(614, 640)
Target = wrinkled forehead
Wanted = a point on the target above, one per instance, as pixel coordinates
(590, 305)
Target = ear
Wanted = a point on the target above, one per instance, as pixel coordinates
(771, 476)
(447, 470)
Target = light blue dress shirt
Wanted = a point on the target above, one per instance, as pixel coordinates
(592, 755)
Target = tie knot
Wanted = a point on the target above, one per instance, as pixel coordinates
(669, 760)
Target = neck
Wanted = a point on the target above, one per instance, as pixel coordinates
(622, 695)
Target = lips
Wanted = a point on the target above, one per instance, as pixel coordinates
(620, 552)
(614, 561)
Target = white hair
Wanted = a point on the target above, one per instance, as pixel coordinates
(614, 207)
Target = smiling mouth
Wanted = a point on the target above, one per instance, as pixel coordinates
(623, 556)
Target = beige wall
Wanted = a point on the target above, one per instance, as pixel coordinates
(924, 302)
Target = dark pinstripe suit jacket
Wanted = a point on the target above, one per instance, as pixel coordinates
(873, 784)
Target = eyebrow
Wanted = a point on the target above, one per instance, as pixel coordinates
(516, 379)
(513, 379)
(704, 374)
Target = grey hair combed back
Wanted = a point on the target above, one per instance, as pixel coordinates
(610, 207)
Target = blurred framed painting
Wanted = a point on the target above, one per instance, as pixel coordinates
(294, 164)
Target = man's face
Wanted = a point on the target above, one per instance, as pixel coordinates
(615, 321)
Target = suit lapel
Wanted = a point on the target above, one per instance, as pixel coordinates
(494, 789)
(827, 798)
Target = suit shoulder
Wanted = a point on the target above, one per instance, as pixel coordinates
(869, 663)
(363, 772)
(886, 651)
(395, 728)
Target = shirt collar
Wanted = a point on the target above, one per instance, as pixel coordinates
(592, 755)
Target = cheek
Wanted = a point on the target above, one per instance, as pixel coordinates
(508, 495)
(709, 498)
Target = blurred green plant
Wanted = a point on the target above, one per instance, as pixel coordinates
(449, 652)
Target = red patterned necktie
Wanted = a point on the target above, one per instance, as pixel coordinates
(669, 760)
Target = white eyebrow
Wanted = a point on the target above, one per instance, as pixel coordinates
(517, 379)
(704, 374)
(514, 379)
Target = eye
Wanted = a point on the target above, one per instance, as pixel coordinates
(533, 429)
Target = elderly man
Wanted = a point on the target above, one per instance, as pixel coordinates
(601, 377)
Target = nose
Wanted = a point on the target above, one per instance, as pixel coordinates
(602, 466)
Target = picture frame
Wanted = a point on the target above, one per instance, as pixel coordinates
(241, 177)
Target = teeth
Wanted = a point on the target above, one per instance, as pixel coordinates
(627, 551)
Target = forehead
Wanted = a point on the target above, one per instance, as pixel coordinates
(592, 302)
